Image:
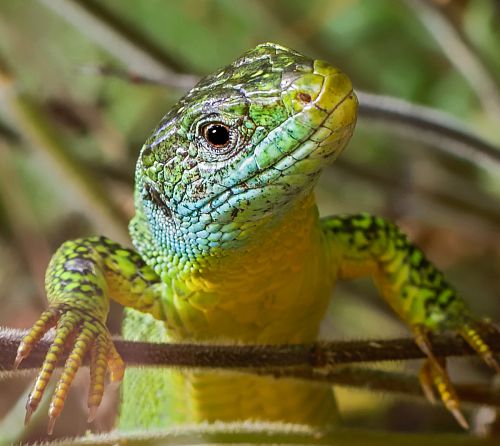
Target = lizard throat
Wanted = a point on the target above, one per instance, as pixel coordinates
(248, 245)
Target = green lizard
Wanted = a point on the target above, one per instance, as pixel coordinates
(229, 246)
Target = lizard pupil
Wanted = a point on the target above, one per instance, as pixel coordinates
(217, 135)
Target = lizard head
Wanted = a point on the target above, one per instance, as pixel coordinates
(242, 146)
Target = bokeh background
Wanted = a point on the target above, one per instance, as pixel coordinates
(74, 111)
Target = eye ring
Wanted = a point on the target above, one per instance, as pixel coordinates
(217, 135)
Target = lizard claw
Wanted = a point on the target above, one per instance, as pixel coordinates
(29, 413)
(425, 378)
(65, 326)
(471, 334)
(420, 333)
(459, 416)
(52, 422)
(92, 414)
(102, 357)
(83, 334)
(46, 321)
(433, 375)
(115, 364)
(491, 361)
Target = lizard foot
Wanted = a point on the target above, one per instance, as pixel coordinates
(82, 333)
(433, 374)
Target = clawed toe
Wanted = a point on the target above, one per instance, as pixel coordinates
(84, 335)
(433, 375)
(472, 334)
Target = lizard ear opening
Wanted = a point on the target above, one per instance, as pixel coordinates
(152, 195)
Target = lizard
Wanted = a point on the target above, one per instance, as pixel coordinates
(229, 245)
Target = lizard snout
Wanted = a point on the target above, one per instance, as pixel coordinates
(322, 100)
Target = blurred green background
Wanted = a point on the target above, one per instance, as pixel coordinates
(70, 133)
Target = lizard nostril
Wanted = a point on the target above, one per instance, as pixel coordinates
(304, 97)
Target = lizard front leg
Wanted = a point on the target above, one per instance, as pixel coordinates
(365, 245)
(82, 277)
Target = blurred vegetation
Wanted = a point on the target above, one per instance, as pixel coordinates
(69, 137)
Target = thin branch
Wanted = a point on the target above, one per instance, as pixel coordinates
(431, 127)
(385, 382)
(319, 354)
(314, 362)
(134, 77)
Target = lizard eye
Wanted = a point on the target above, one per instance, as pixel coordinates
(218, 135)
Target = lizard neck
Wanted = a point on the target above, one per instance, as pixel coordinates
(273, 288)
(284, 238)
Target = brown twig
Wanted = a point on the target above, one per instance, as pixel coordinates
(386, 382)
(313, 362)
(431, 127)
(132, 77)
(319, 354)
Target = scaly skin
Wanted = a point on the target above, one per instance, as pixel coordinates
(229, 246)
